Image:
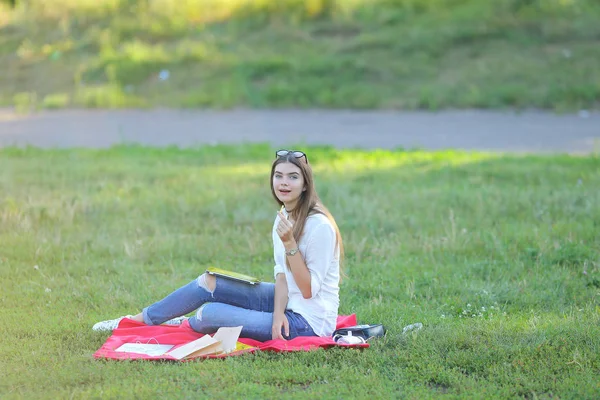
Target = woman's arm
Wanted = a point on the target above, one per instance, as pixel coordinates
(299, 269)
(308, 269)
(280, 302)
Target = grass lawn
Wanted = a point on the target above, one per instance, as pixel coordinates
(498, 257)
(396, 54)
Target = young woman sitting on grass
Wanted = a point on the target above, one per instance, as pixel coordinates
(304, 299)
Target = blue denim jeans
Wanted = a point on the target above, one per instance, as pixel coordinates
(232, 303)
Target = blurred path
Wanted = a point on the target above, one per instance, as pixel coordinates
(531, 131)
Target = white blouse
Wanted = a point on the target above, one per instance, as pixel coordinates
(321, 254)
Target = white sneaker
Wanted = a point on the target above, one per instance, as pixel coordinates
(109, 325)
(175, 321)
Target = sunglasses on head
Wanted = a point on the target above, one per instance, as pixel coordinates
(295, 153)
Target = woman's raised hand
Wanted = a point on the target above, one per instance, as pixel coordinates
(285, 229)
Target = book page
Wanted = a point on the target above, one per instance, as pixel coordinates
(214, 348)
(192, 347)
(145, 348)
(228, 337)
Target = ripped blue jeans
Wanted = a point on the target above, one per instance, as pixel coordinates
(230, 304)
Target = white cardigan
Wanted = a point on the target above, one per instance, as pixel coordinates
(321, 254)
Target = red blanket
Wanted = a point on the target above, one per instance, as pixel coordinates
(135, 332)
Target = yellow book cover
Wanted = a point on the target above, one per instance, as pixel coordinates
(233, 275)
(239, 346)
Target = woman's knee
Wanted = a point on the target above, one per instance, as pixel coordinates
(202, 322)
(200, 311)
(207, 282)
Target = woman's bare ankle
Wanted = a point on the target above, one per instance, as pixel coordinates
(139, 317)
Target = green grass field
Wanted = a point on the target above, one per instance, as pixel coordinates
(497, 255)
(395, 54)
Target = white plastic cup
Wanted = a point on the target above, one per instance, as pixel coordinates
(412, 327)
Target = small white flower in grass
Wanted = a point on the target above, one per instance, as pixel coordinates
(468, 305)
(443, 316)
(48, 290)
(482, 308)
(36, 267)
(473, 315)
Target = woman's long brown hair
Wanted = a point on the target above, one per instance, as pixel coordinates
(309, 202)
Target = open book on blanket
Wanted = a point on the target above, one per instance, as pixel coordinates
(224, 341)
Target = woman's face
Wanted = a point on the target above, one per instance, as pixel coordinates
(288, 184)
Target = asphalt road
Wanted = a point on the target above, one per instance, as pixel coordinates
(506, 131)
